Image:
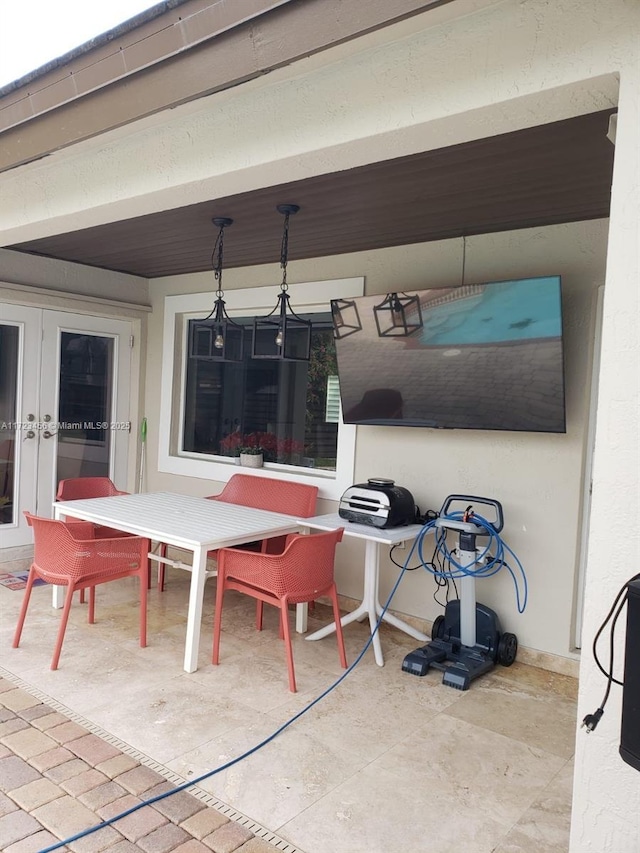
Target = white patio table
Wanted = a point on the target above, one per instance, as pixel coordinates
(370, 608)
(193, 524)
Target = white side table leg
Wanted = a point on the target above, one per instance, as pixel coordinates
(302, 611)
(371, 568)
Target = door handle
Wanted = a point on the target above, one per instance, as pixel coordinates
(47, 434)
(29, 434)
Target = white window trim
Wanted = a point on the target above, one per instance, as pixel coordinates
(306, 298)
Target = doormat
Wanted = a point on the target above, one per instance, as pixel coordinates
(17, 580)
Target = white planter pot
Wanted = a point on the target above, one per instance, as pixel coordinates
(251, 460)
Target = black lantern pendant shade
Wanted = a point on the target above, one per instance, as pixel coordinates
(346, 320)
(217, 337)
(282, 335)
(398, 316)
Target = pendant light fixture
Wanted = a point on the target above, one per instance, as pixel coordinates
(346, 319)
(282, 334)
(217, 337)
(398, 315)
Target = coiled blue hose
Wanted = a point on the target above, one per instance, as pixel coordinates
(489, 561)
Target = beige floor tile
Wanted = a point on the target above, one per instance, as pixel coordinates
(276, 782)
(544, 827)
(378, 812)
(382, 763)
(539, 719)
(169, 720)
(481, 766)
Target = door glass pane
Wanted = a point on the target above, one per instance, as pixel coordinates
(9, 340)
(84, 412)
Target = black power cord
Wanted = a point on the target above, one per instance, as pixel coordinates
(590, 721)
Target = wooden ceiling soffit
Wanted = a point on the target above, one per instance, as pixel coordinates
(549, 174)
(184, 57)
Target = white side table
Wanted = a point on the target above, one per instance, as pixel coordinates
(374, 537)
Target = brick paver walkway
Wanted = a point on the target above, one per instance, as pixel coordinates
(57, 778)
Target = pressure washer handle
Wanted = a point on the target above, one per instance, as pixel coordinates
(473, 500)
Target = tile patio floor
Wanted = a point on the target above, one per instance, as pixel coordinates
(386, 762)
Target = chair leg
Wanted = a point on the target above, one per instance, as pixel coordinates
(284, 622)
(217, 620)
(92, 605)
(259, 612)
(23, 608)
(63, 624)
(336, 619)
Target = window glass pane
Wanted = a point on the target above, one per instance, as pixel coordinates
(281, 406)
(9, 346)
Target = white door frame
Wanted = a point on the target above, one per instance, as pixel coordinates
(38, 388)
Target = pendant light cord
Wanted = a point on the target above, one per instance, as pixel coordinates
(284, 253)
(216, 261)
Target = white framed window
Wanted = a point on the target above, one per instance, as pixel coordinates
(187, 451)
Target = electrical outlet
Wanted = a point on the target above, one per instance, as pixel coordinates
(401, 545)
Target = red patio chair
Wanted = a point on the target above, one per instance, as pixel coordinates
(301, 573)
(68, 554)
(79, 488)
(268, 493)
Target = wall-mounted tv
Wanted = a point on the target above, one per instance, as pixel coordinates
(482, 356)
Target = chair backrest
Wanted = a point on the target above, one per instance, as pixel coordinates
(78, 488)
(301, 572)
(270, 493)
(55, 549)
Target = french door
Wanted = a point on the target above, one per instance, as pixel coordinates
(64, 407)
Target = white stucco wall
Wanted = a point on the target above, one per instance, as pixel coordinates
(536, 476)
(606, 801)
(22, 274)
(510, 64)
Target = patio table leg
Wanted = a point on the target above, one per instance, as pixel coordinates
(194, 616)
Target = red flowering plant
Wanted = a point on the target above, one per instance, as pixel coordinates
(274, 449)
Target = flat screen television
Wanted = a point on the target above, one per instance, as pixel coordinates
(482, 356)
